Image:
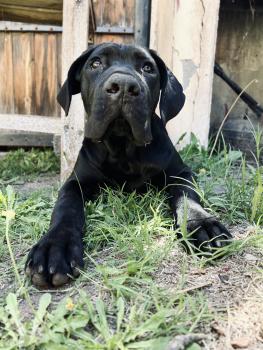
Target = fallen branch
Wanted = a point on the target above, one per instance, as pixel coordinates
(190, 289)
(181, 342)
(249, 100)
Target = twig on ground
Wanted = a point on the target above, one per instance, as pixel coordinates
(190, 289)
(181, 342)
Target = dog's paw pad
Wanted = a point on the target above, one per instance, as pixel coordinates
(59, 279)
(53, 262)
(39, 280)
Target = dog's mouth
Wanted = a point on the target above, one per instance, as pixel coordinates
(120, 128)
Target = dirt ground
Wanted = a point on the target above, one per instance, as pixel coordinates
(234, 289)
(232, 286)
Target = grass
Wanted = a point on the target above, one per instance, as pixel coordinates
(227, 182)
(117, 303)
(20, 164)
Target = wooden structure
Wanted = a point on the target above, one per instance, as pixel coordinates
(74, 41)
(190, 28)
(30, 58)
(31, 85)
(32, 11)
(114, 20)
(30, 67)
(30, 63)
(242, 61)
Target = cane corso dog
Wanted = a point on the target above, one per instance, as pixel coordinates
(126, 144)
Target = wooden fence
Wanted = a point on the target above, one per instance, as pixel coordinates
(30, 67)
(30, 61)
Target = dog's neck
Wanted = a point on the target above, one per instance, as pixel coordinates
(119, 140)
(120, 146)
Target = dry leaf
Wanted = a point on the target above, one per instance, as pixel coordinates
(219, 330)
(240, 343)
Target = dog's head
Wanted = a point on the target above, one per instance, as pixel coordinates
(120, 85)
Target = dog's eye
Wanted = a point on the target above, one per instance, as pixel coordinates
(96, 63)
(147, 68)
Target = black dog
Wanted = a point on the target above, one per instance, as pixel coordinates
(125, 143)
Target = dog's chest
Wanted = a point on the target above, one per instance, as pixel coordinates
(122, 156)
(125, 164)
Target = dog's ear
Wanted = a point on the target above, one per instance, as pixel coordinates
(72, 84)
(172, 96)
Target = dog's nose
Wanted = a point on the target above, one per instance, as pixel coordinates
(133, 89)
(119, 83)
(112, 88)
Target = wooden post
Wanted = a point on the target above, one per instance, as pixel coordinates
(142, 22)
(74, 42)
(184, 34)
(30, 123)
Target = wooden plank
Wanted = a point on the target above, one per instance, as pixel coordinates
(23, 67)
(6, 73)
(190, 28)
(58, 72)
(52, 74)
(26, 139)
(48, 4)
(33, 123)
(13, 12)
(142, 22)
(74, 42)
(47, 12)
(40, 93)
(114, 30)
(30, 72)
(114, 12)
(45, 74)
(27, 27)
(117, 38)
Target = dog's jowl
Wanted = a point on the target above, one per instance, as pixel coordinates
(125, 144)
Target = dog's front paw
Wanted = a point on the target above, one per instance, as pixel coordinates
(205, 232)
(55, 259)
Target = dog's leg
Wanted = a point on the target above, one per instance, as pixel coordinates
(59, 253)
(204, 230)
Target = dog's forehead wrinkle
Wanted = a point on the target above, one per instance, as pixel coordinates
(138, 53)
(123, 52)
(106, 50)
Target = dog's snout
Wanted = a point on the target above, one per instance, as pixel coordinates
(122, 83)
